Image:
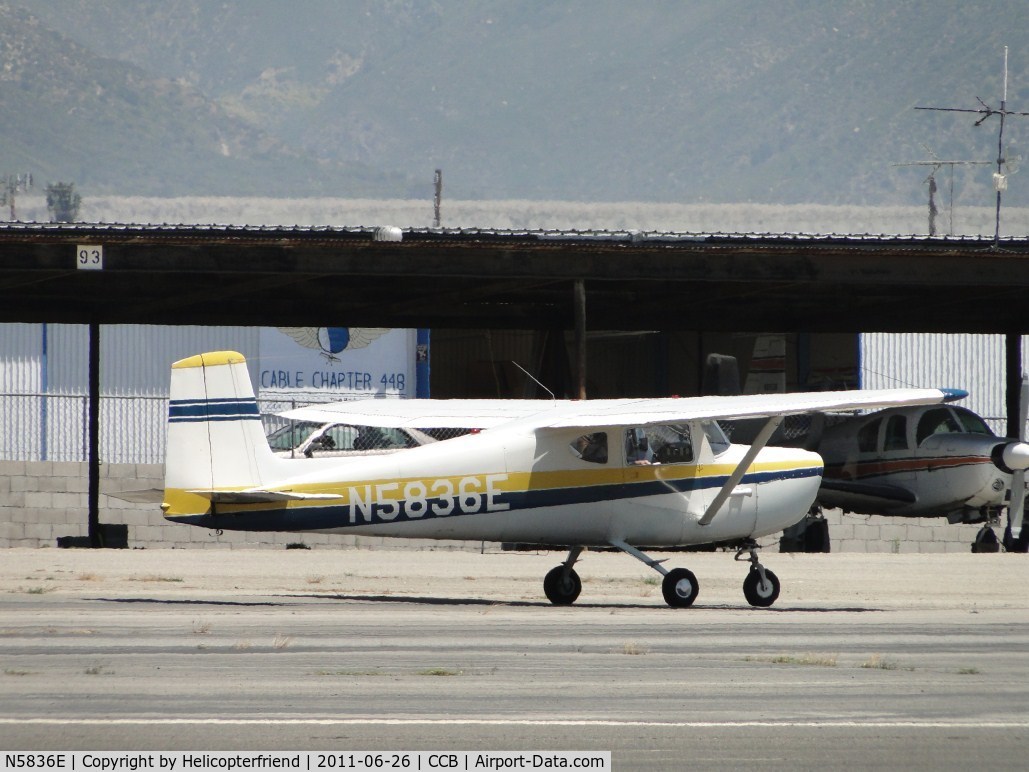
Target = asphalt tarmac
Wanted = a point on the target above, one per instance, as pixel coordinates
(868, 661)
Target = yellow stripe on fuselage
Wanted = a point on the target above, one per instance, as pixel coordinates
(487, 488)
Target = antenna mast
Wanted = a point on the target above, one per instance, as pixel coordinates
(937, 164)
(1000, 182)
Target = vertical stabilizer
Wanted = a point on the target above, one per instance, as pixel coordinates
(215, 436)
(767, 371)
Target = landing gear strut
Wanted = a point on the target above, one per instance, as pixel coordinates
(679, 586)
(561, 584)
(761, 587)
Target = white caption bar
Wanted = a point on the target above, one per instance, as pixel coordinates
(187, 761)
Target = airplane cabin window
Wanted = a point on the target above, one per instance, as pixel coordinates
(868, 437)
(896, 433)
(290, 436)
(936, 421)
(665, 444)
(591, 447)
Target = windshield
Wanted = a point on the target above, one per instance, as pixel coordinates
(951, 420)
(971, 422)
(715, 437)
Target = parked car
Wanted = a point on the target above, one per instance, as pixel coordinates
(308, 439)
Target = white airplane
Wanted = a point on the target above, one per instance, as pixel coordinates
(912, 461)
(553, 473)
(926, 461)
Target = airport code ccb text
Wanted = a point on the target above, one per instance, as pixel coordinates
(84, 761)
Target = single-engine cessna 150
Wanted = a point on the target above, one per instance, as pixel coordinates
(562, 474)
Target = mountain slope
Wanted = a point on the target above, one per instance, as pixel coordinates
(109, 126)
(788, 101)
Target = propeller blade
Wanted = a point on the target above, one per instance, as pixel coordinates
(1023, 407)
(1016, 505)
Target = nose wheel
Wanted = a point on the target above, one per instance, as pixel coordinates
(761, 586)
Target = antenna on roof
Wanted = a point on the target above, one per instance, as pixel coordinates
(1000, 181)
(437, 198)
(937, 164)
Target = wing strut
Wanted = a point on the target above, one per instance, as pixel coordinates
(756, 447)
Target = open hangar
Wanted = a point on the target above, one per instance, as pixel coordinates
(565, 293)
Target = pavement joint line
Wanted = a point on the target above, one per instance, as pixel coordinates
(814, 724)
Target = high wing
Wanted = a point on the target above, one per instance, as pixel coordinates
(488, 413)
(647, 412)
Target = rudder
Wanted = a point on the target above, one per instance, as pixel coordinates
(215, 436)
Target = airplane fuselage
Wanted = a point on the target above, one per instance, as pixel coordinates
(528, 487)
(914, 462)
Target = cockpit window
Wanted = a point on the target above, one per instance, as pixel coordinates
(591, 447)
(661, 444)
(939, 420)
(972, 423)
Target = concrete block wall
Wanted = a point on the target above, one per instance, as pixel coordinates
(41, 501)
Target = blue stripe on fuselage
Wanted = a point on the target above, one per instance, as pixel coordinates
(320, 517)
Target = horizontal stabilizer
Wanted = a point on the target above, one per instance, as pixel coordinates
(144, 496)
(260, 496)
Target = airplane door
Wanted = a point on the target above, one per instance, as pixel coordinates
(660, 475)
(897, 450)
(739, 512)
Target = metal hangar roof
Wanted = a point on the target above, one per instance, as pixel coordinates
(242, 275)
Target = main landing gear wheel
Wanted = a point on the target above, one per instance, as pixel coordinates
(562, 585)
(760, 593)
(680, 588)
(986, 541)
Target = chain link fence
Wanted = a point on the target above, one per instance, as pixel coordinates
(133, 430)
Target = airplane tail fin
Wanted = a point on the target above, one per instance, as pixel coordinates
(215, 436)
(767, 371)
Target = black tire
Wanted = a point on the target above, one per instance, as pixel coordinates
(680, 588)
(816, 536)
(986, 541)
(561, 589)
(757, 594)
(1020, 544)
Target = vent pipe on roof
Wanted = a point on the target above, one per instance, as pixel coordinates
(388, 233)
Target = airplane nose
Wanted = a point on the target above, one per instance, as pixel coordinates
(1011, 456)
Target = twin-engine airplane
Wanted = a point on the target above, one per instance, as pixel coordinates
(560, 474)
